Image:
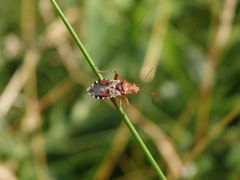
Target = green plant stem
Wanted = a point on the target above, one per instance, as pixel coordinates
(124, 115)
(139, 140)
(79, 43)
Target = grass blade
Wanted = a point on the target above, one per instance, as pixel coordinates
(120, 110)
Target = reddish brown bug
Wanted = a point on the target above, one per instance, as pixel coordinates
(107, 89)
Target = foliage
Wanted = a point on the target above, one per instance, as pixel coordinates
(51, 129)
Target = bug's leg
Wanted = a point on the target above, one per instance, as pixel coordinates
(103, 71)
(107, 71)
(119, 102)
(115, 75)
(126, 100)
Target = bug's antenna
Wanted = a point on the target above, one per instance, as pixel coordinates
(152, 93)
(149, 72)
(147, 91)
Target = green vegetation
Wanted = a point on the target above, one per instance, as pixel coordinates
(51, 129)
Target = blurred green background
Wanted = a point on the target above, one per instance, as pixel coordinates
(51, 129)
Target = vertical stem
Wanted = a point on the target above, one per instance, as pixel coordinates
(214, 57)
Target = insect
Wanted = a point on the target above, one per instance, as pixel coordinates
(107, 89)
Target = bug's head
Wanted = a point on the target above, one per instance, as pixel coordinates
(135, 89)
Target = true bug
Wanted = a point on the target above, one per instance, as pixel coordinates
(107, 89)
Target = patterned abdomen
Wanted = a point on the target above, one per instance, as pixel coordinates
(104, 89)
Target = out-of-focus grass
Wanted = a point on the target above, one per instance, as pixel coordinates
(50, 128)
